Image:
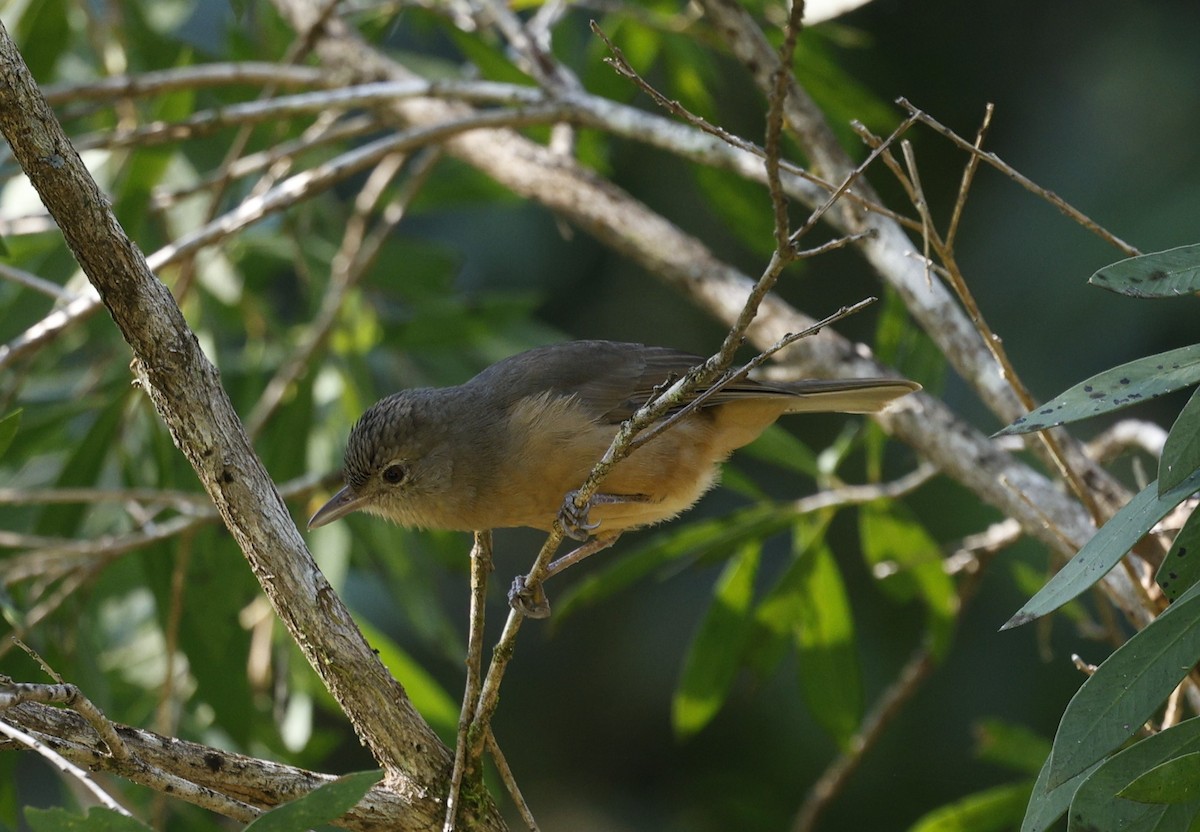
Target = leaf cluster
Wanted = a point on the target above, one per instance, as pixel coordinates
(1108, 782)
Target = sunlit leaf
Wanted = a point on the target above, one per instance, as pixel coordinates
(997, 809)
(779, 447)
(1161, 274)
(895, 542)
(1132, 383)
(321, 805)
(1127, 688)
(1105, 549)
(1097, 806)
(1181, 453)
(1181, 567)
(704, 539)
(42, 33)
(8, 429)
(1175, 781)
(715, 654)
(823, 629)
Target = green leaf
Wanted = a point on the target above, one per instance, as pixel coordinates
(321, 805)
(1013, 746)
(1181, 567)
(1161, 274)
(82, 467)
(1175, 781)
(98, 819)
(823, 629)
(1181, 453)
(997, 809)
(1097, 806)
(892, 538)
(8, 429)
(1137, 381)
(216, 587)
(43, 34)
(716, 652)
(777, 446)
(1046, 805)
(704, 539)
(1127, 688)
(1105, 549)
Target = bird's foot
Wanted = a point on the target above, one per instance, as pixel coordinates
(530, 601)
(575, 521)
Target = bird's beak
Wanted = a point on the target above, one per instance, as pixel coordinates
(340, 504)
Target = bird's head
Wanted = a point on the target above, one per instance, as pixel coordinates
(398, 464)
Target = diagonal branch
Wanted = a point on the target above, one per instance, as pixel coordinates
(186, 391)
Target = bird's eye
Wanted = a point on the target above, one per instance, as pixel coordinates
(394, 474)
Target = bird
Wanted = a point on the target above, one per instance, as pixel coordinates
(510, 447)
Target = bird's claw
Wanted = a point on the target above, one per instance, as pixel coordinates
(529, 601)
(574, 519)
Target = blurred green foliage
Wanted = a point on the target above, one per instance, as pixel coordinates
(709, 701)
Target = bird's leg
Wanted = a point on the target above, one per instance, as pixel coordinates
(530, 599)
(575, 519)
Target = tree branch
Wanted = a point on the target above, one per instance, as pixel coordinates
(186, 391)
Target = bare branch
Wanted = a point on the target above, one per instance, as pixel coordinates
(185, 389)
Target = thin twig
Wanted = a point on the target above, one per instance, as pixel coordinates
(968, 177)
(464, 762)
(295, 189)
(65, 766)
(773, 144)
(837, 774)
(1053, 450)
(346, 269)
(853, 495)
(14, 693)
(510, 782)
(1022, 180)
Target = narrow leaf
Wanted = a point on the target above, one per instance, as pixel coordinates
(997, 809)
(1180, 569)
(321, 805)
(1175, 781)
(1137, 381)
(1012, 746)
(8, 429)
(893, 539)
(1160, 274)
(776, 615)
(1127, 688)
(1047, 805)
(1181, 453)
(716, 652)
(823, 629)
(697, 540)
(1097, 806)
(1105, 549)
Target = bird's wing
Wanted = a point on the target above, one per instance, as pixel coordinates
(611, 380)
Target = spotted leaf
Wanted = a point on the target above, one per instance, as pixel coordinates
(1131, 383)
(1163, 274)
